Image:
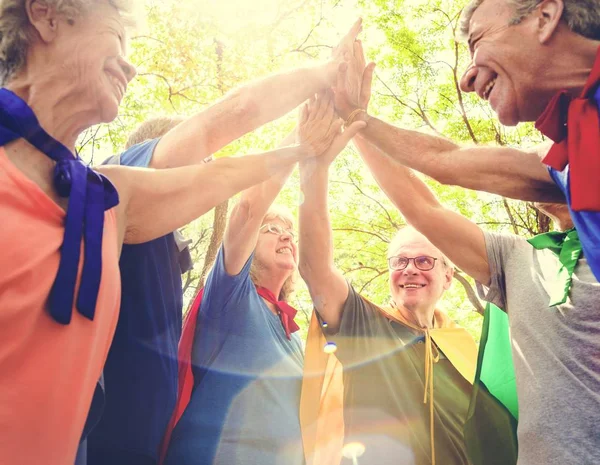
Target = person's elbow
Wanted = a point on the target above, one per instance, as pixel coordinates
(244, 106)
(306, 269)
(313, 272)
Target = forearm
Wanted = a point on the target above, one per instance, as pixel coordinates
(247, 216)
(238, 113)
(316, 263)
(271, 97)
(160, 201)
(499, 170)
(256, 200)
(316, 251)
(327, 285)
(457, 237)
(401, 185)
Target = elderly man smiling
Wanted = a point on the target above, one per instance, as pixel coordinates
(545, 285)
(533, 61)
(387, 354)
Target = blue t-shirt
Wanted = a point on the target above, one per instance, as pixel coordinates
(587, 223)
(141, 369)
(247, 378)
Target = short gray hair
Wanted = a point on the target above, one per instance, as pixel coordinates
(152, 129)
(15, 30)
(408, 228)
(581, 16)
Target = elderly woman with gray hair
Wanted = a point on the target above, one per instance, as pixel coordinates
(63, 70)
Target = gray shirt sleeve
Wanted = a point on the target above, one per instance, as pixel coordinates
(499, 249)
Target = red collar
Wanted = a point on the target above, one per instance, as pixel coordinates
(286, 311)
(574, 126)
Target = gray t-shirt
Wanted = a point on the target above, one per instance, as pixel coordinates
(556, 352)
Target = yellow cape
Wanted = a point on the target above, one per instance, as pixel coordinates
(322, 398)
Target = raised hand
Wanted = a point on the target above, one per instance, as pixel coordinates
(342, 52)
(320, 129)
(353, 86)
(345, 49)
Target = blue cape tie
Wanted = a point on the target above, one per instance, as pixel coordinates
(89, 193)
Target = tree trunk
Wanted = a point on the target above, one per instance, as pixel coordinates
(216, 238)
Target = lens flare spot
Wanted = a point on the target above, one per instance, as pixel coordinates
(353, 450)
(330, 348)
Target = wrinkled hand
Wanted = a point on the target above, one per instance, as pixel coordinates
(342, 52)
(318, 124)
(345, 49)
(320, 129)
(354, 80)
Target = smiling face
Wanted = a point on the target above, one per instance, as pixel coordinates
(87, 54)
(508, 63)
(276, 252)
(411, 287)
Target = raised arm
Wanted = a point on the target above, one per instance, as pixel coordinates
(505, 171)
(246, 217)
(156, 202)
(247, 108)
(461, 240)
(327, 285)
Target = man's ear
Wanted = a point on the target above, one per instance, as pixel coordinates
(43, 19)
(448, 275)
(548, 15)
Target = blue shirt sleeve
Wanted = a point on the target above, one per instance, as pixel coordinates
(140, 155)
(221, 286)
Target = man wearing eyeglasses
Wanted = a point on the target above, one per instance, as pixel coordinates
(397, 407)
(419, 275)
(549, 292)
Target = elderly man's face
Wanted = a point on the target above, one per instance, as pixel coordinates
(507, 63)
(412, 287)
(88, 55)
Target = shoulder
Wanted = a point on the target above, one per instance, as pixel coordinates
(139, 155)
(505, 243)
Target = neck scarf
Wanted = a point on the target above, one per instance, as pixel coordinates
(286, 311)
(567, 246)
(89, 193)
(574, 126)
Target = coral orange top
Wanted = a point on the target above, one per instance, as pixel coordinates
(48, 371)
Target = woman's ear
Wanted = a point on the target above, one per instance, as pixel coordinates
(43, 18)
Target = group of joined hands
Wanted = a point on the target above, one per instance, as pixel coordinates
(326, 123)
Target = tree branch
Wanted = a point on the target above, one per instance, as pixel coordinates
(471, 294)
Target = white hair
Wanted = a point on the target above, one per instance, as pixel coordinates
(16, 31)
(398, 238)
(581, 16)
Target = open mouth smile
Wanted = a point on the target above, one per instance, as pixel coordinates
(117, 84)
(487, 90)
